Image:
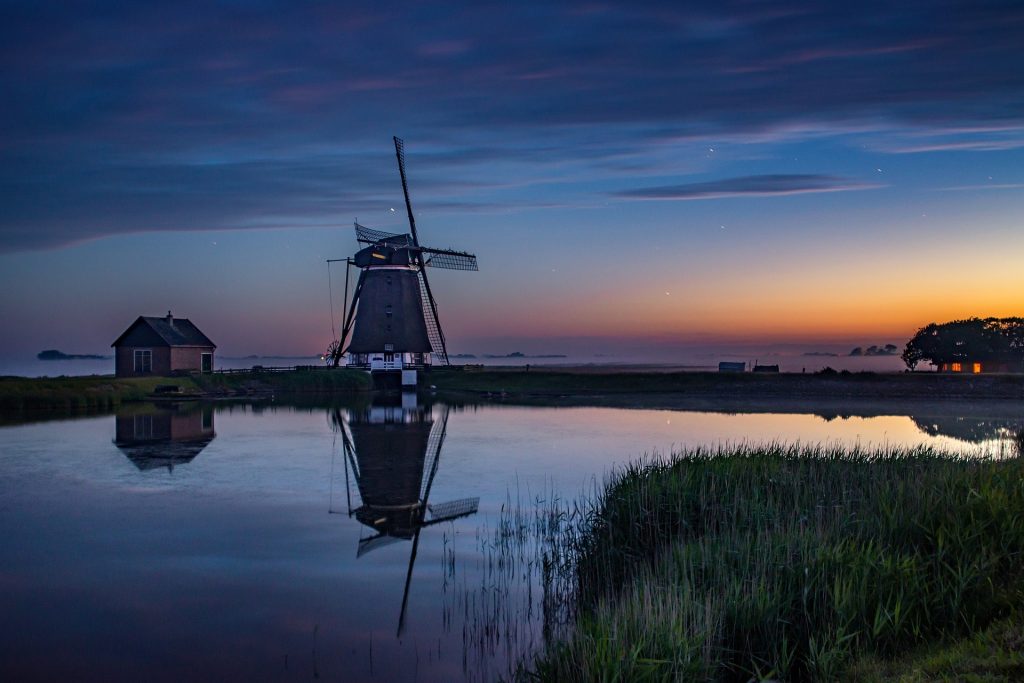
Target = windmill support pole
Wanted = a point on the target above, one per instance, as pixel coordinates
(348, 487)
(348, 267)
(349, 318)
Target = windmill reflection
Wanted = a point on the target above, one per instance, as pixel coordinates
(161, 436)
(392, 451)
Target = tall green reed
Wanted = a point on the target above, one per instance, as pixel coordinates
(783, 562)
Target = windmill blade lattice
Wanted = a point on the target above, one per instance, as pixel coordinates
(434, 333)
(452, 509)
(449, 259)
(371, 236)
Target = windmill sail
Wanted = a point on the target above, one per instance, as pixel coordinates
(448, 259)
(371, 236)
(434, 333)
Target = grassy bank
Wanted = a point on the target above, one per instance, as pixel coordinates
(789, 564)
(94, 393)
(75, 394)
(519, 384)
(338, 381)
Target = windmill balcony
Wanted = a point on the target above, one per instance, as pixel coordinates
(389, 361)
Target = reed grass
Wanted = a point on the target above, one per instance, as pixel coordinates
(783, 562)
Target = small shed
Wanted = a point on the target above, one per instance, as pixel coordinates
(766, 368)
(154, 346)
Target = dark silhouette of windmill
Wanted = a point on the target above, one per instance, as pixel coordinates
(392, 318)
(393, 453)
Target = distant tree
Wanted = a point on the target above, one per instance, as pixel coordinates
(960, 341)
(858, 351)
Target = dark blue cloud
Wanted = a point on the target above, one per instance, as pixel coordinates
(160, 116)
(749, 186)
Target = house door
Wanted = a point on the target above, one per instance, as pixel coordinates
(207, 363)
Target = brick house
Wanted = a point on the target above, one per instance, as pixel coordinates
(162, 347)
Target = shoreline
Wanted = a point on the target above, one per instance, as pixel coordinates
(672, 387)
(829, 395)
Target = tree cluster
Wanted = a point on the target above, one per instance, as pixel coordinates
(887, 350)
(971, 340)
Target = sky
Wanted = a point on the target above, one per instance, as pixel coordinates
(633, 177)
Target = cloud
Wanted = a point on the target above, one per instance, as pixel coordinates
(747, 186)
(959, 146)
(972, 188)
(206, 92)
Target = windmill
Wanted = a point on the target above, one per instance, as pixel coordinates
(392, 317)
(393, 454)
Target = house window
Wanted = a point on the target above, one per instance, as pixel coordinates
(143, 360)
(389, 358)
(977, 368)
(389, 347)
(207, 363)
(143, 427)
(956, 367)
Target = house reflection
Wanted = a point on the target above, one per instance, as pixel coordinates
(166, 435)
(392, 450)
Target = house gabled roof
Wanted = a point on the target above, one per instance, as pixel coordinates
(169, 332)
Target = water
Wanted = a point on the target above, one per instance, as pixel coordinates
(216, 542)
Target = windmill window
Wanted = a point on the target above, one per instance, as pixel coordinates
(389, 347)
(387, 310)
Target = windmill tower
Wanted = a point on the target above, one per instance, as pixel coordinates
(393, 452)
(392, 323)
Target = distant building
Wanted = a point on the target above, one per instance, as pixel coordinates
(730, 366)
(976, 367)
(766, 368)
(161, 347)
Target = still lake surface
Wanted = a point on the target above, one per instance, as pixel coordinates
(275, 542)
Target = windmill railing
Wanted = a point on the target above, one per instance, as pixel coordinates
(256, 369)
(399, 361)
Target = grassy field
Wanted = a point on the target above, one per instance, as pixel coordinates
(94, 393)
(519, 384)
(797, 564)
(340, 381)
(89, 393)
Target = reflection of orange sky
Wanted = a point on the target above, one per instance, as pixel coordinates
(576, 429)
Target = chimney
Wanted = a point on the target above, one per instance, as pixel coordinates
(170, 319)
